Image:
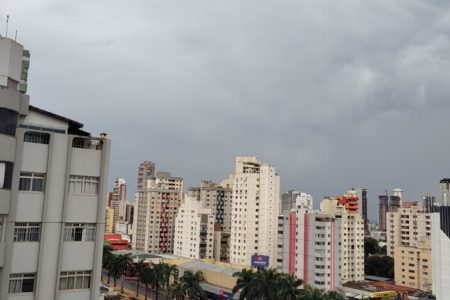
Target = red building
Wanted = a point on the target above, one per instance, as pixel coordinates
(115, 241)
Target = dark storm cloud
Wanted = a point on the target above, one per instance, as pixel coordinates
(334, 93)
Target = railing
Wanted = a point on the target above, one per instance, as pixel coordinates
(87, 143)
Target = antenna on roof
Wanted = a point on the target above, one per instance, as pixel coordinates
(7, 21)
(15, 37)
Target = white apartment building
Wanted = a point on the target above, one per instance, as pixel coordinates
(408, 225)
(53, 180)
(155, 212)
(194, 230)
(323, 248)
(255, 206)
(440, 250)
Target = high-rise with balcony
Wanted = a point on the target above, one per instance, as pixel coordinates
(118, 200)
(154, 213)
(53, 181)
(255, 205)
(408, 225)
(146, 170)
(194, 230)
(324, 248)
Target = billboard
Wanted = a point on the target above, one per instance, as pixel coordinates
(260, 261)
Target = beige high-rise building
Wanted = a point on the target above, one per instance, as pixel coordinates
(109, 220)
(194, 230)
(413, 265)
(408, 225)
(118, 200)
(255, 208)
(155, 212)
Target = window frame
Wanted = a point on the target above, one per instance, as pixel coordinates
(75, 280)
(33, 178)
(79, 232)
(84, 181)
(21, 277)
(27, 232)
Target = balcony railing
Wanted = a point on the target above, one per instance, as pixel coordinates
(87, 143)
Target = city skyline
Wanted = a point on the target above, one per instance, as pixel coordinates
(354, 99)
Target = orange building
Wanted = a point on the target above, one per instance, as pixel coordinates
(115, 241)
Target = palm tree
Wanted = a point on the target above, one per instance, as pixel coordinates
(138, 267)
(168, 270)
(146, 278)
(158, 278)
(122, 263)
(107, 254)
(243, 282)
(177, 290)
(191, 285)
(311, 293)
(264, 283)
(288, 287)
(114, 269)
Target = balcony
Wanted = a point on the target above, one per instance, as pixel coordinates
(87, 143)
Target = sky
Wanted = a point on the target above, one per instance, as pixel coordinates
(334, 94)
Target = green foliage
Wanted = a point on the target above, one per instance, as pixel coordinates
(379, 265)
(270, 285)
(371, 246)
(188, 286)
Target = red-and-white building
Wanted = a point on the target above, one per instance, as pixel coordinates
(323, 248)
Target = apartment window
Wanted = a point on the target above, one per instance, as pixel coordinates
(21, 283)
(75, 280)
(79, 232)
(9, 121)
(36, 137)
(2, 226)
(6, 170)
(83, 185)
(27, 232)
(31, 182)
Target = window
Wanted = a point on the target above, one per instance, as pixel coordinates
(6, 170)
(9, 121)
(83, 185)
(27, 232)
(79, 232)
(36, 137)
(75, 280)
(31, 182)
(21, 283)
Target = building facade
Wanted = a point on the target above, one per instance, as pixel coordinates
(194, 230)
(324, 248)
(53, 182)
(155, 212)
(413, 265)
(118, 199)
(146, 170)
(406, 227)
(255, 205)
(440, 251)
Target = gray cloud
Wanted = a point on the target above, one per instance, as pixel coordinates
(334, 93)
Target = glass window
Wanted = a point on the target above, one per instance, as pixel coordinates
(36, 137)
(9, 121)
(6, 170)
(21, 283)
(83, 185)
(27, 232)
(79, 232)
(34, 182)
(75, 280)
